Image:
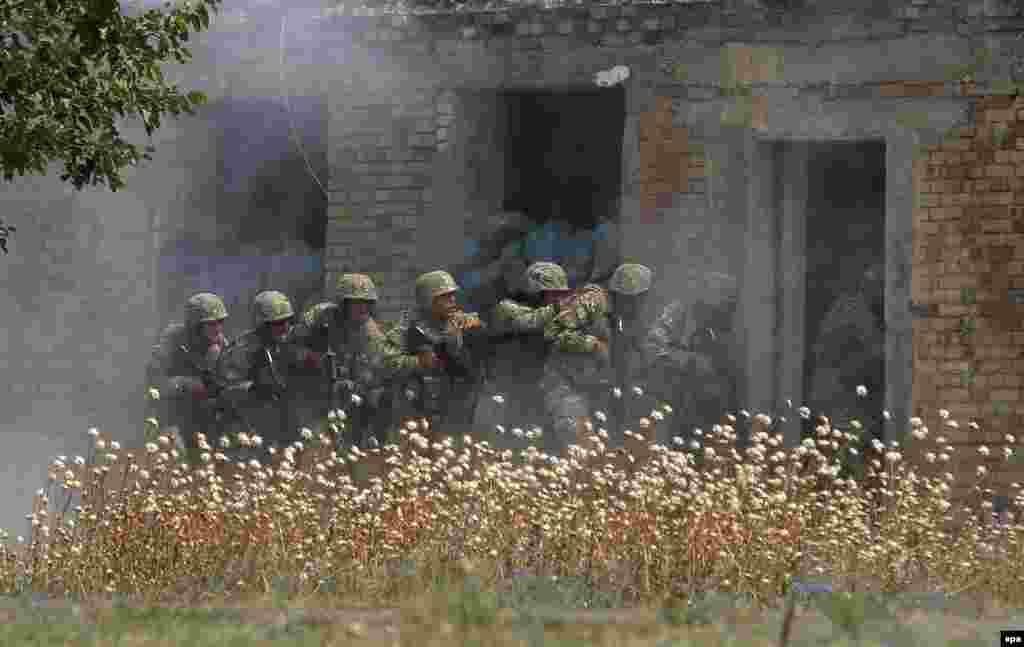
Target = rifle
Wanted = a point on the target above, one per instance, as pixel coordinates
(331, 372)
(431, 385)
(277, 388)
(429, 395)
(616, 354)
(338, 378)
(217, 387)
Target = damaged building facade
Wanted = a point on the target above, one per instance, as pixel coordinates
(791, 148)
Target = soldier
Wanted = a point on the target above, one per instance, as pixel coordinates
(628, 289)
(521, 321)
(693, 353)
(269, 356)
(434, 357)
(849, 351)
(347, 326)
(576, 368)
(184, 367)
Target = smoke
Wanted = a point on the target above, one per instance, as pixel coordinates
(233, 202)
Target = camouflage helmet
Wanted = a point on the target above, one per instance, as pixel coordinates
(630, 279)
(545, 276)
(433, 284)
(355, 286)
(271, 306)
(203, 307)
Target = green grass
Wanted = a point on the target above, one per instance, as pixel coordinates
(535, 612)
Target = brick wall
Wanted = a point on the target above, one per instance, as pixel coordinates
(968, 254)
(667, 162)
(383, 178)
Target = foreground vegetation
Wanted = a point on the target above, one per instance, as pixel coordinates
(463, 537)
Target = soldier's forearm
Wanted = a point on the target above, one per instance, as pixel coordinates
(400, 365)
(574, 342)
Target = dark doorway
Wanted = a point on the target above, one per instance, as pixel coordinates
(563, 155)
(844, 307)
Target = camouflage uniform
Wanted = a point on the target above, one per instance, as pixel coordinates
(271, 365)
(693, 354)
(359, 348)
(575, 371)
(850, 351)
(446, 394)
(520, 348)
(175, 372)
(628, 287)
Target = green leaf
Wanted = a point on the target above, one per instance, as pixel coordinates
(982, 56)
(967, 326)
(739, 114)
(913, 120)
(99, 69)
(959, 72)
(968, 296)
(1000, 134)
(967, 377)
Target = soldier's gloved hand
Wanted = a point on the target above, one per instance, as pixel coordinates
(311, 360)
(472, 323)
(198, 391)
(427, 360)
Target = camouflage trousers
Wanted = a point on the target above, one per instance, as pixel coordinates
(202, 419)
(564, 403)
(451, 412)
(369, 417)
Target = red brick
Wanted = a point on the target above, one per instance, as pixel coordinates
(1006, 395)
(958, 172)
(999, 170)
(950, 199)
(917, 88)
(892, 89)
(997, 198)
(954, 395)
(997, 226)
(999, 115)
